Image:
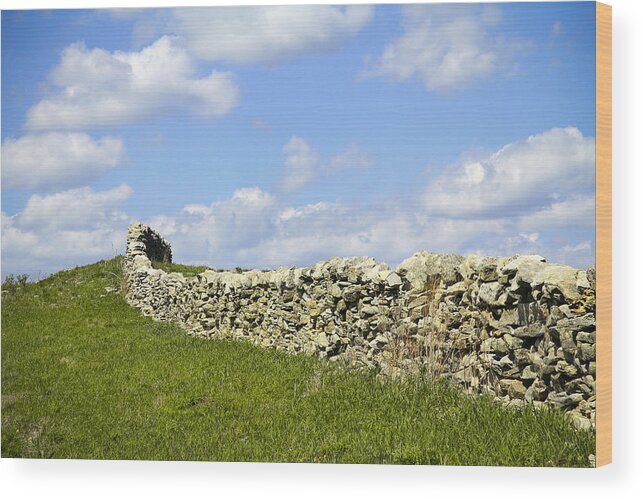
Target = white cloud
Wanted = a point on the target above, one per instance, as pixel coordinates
(211, 232)
(14, 240)
(446, 47)
(266, 34)
(577, 212)
(54, 160)
(303, 164)
(252, 229)
(531, 237)
(582, 246)
(292, 214)
(519, 179)
(75, 209)
(389, 235)
(100, 88)
(65, 229)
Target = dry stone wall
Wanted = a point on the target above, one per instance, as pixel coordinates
(517, 327)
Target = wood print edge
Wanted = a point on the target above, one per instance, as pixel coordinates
(603, 234)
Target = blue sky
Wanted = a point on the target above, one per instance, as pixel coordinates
(267, 136)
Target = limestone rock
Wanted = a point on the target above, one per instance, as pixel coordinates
(394, 279)
(421, 266)
(563, 400)
(530, 331)
(489, 292)
(514, 388)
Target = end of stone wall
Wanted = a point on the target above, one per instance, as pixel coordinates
(143, 241)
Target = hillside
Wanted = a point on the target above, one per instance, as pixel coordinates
(86, 376)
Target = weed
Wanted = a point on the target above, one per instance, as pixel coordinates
(430, 354)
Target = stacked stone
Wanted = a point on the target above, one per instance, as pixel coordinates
(317, 310)
(154, 291)
(143, 241)
(521, 328)
(517, 327)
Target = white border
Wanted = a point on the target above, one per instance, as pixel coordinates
(115, 479)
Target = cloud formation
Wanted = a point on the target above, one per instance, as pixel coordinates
(266, 34)
(96, 88)
(446, 47)
(581, 210)
(519, 179)
(74, 209)
(303, 164)
(57, 160)
(254, 228)
(65, 229)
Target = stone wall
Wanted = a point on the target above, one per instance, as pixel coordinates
(143, 241)
(517, 327)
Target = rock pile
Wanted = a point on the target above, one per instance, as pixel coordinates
(517, 327)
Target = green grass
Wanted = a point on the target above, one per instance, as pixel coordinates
(86, 376)
(186, 270)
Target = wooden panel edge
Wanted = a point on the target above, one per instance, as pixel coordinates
(603, 234)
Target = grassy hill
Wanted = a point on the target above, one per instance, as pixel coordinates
(86, 376)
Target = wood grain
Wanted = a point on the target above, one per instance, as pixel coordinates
(603, 234)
